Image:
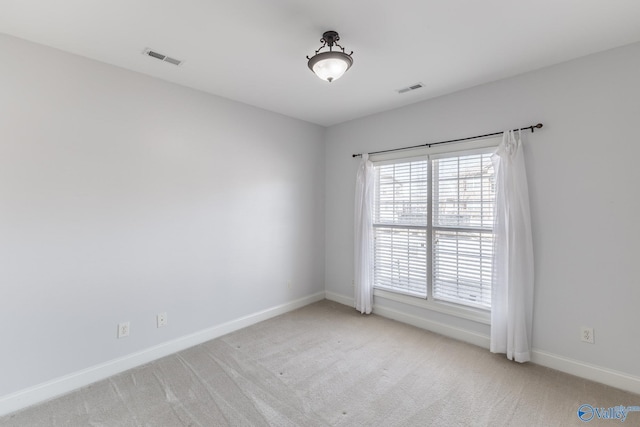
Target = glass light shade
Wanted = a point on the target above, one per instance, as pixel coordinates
(330, 66)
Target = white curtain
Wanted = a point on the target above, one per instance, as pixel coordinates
(363, 257)
(512, 297)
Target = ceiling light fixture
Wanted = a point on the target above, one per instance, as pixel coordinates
(330, 65)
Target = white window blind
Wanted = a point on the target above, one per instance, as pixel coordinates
(433, 227)
(463, 201)
(400, 227)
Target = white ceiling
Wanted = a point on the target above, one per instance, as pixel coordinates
(253, 51)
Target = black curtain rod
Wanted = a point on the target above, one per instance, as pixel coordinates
(532, 127)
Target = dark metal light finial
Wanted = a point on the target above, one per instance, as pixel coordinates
(330, 37)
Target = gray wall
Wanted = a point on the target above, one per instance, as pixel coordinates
(122, 196)
(583, 177)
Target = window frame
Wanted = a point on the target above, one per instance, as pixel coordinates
(470, 312)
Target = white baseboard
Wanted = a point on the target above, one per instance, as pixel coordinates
(588, 371)
(420, 322)
(578, 368)
(437, 327)
(339, 298)
(59, 386)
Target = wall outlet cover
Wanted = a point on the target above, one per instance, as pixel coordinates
(123, 329)
(586, 335)
(162, 319)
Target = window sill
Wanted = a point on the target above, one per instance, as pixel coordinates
(473, 314)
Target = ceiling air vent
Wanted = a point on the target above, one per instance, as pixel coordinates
(410, 88)
(161, 57)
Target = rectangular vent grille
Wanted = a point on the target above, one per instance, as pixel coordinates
(161, 57)
(172, 60)
(410, 88)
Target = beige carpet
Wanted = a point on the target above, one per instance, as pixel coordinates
(326, 364)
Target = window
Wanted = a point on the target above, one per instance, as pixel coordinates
(433, 227)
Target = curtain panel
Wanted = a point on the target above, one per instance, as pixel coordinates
(513, 274)
(363, 244)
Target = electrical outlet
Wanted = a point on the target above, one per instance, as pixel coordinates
(123, 329)
(162, 319)
(586, 335)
